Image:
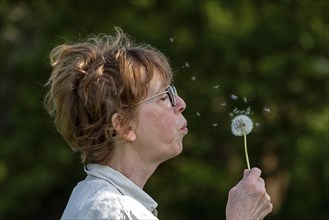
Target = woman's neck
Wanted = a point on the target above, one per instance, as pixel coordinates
(134, 168)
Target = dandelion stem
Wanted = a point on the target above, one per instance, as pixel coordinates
(245, 149)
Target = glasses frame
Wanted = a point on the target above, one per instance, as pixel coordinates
(170, 91)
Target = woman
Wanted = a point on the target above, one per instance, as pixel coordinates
(113, 101)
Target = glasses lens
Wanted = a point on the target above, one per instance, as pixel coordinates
(172, 95)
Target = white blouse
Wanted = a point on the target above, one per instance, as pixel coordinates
(107, 194)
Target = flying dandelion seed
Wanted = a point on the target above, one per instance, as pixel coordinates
(214, 125)
(266, 110)
(241, 126)
(237, 111)
(234, 97)
(257, 124)
(223, 104)
(248, 111)
(193, 78)
(171, 40)
(245, 100)
(186, 64)
(198, 113)
(216, 87)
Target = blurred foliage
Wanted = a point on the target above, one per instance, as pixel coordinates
(272, 55)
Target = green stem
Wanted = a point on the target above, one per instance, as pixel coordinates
(245, 149)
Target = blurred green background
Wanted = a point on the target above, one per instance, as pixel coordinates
(268, 56)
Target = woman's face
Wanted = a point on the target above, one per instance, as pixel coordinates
(161, 126)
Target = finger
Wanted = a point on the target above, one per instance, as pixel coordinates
(254, 174)
(261, 182)
(268, 197)
(245, 173)
(268, 206)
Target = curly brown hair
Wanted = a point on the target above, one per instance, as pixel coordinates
(94, 79)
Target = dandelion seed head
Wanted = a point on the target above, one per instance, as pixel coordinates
(241, 125)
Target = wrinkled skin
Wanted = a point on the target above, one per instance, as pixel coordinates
(249, 199)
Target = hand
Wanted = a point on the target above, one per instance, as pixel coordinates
(248, 199)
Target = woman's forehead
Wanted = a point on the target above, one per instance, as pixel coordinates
(157, 84)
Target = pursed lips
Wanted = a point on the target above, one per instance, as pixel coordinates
(184, 127)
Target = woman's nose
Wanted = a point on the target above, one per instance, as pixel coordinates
(180, 104)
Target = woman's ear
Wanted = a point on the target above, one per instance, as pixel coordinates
(128, 135)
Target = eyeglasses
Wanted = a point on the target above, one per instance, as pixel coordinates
(171, 92)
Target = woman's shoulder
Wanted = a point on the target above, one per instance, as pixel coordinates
(92, 199)
(100, 201)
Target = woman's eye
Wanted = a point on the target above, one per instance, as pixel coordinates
(163, 98)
